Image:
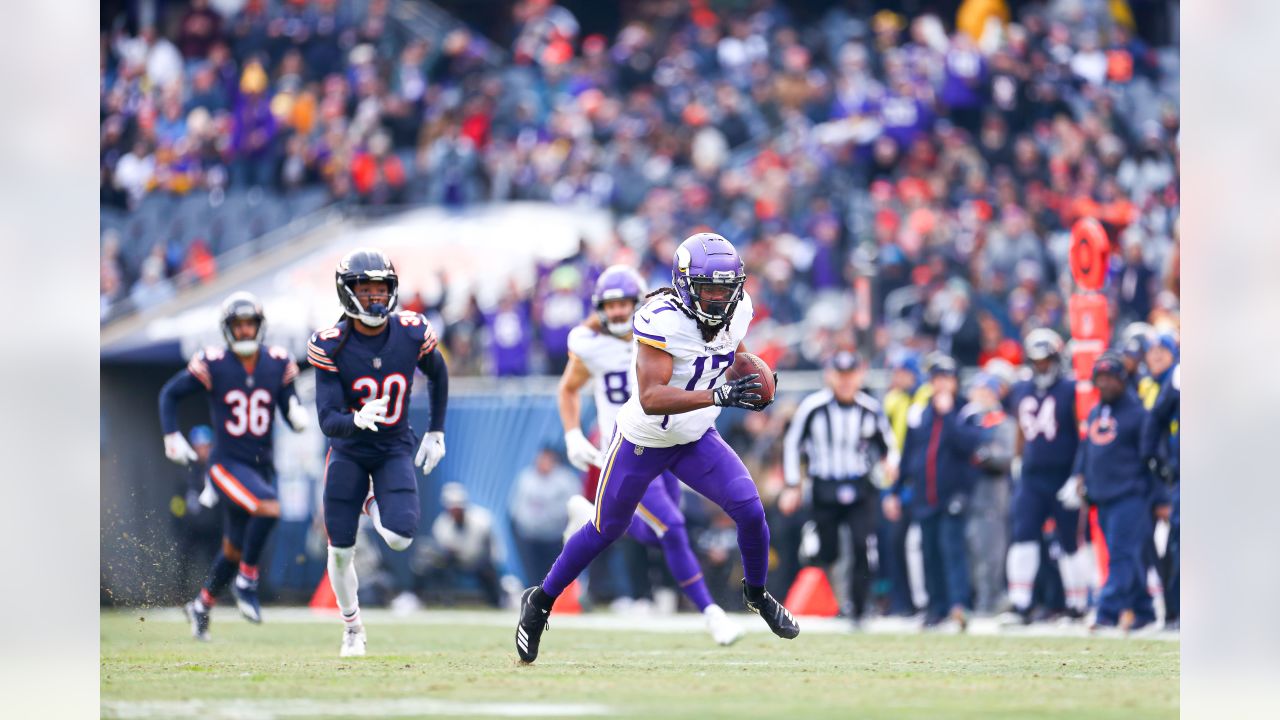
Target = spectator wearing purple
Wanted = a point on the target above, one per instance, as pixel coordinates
(964, 83)
(509, 337)
(904, 116)
(560, 311)
(253, 130)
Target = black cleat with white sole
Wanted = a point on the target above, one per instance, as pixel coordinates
(199, 620)
(533, 620)
(777, 617)
(245, 591)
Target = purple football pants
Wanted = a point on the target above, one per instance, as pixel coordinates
(707, 465)
(659, 523)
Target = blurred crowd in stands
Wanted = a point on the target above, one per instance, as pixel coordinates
(931, 164)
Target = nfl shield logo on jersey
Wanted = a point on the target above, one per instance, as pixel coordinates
(377, 363)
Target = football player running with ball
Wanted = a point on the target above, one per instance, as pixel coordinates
(245, 386)
(364, 376)
(601, 351)
(687, 337)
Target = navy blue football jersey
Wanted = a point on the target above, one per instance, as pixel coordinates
(242, 405)
(367, 367)
(1049, 427)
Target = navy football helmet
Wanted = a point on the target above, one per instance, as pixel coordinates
(239, 306)
(366, 265)
(1043, 344)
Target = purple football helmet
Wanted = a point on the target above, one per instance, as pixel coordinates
(617, 282)
(708, 276)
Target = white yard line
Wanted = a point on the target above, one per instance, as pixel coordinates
(681, 623)
(246, 709)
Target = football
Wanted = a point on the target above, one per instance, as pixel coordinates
(745, 363)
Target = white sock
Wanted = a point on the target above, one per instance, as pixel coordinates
(915, 566)
(394, 540)
(346, 586)
(1088, 560)
(1075, 581)
(1020, 567)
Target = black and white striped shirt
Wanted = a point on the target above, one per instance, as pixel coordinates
(836, 442)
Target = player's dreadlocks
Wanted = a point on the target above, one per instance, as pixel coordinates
(709, 332)
(342, 339)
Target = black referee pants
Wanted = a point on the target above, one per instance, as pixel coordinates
(860, 517)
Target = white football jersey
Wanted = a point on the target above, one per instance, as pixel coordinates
(697, 365)
(613, 374)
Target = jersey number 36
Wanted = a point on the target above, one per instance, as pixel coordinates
(249, 413)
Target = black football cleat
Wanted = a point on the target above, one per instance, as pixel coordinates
(199, 621)
(245, 591)
(533, 620)
(777, 617)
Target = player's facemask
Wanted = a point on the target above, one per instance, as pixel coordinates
(238, 307)
(713, 300)
(375, 313)
(1045, 380)
(619, 328)
(245, 348)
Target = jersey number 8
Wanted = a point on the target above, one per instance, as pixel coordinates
(615, 387)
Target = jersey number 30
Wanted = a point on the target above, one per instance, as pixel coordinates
(393, 387)
(251, 413)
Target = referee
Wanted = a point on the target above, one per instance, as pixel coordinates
(837, 436)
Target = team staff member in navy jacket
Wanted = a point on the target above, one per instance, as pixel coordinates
(937, 462)
(1114, 476)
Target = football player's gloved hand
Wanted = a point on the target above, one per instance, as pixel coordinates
(430, 452)
(208, 496)
(299, 418)
(1069, 494)
(372, 413)
(739, 393)
(177, 449)
(580, 450)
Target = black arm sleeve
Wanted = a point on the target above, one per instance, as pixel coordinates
(331, 406)
(437, 371)
(180, 385)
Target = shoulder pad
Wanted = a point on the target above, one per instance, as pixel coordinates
(320, 346)
(198, 366)
(420, 331)
(290, 367)
(579, 337)
(658, 319)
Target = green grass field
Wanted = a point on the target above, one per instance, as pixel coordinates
(152, 668)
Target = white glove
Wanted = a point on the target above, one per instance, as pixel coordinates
(208, 496)
(177, 449)
(372, 413)
(581, 452)
(1069, 494)
(299, 418)
(430, 452)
